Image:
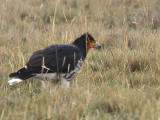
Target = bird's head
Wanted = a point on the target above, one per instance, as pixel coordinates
(90, 41)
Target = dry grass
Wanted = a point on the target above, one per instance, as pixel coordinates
(121, 81)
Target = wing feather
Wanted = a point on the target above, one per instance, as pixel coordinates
(54, 58)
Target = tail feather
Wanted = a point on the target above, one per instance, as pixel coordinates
(24, 71)
(21, 75)
(20, 72)
(14, 81)
(13, 74)
(19, 79)
(17, 74)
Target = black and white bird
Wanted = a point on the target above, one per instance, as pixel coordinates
(60, 62)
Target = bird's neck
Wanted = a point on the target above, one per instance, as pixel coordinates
(81, 44)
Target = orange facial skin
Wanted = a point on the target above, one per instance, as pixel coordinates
(90, 44)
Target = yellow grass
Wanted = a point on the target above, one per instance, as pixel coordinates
(120, 81)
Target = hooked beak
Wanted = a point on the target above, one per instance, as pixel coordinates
(97, 46)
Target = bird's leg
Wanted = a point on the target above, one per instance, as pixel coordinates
(49, 84)
(44, 83)
(65, 82)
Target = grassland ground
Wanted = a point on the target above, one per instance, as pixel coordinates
(120, 81)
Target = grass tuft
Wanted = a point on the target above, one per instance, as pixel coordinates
(120, 81)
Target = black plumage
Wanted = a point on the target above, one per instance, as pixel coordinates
(60, 59)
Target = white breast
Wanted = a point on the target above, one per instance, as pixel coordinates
(75, 71)
(50, 76)
(68, 76)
